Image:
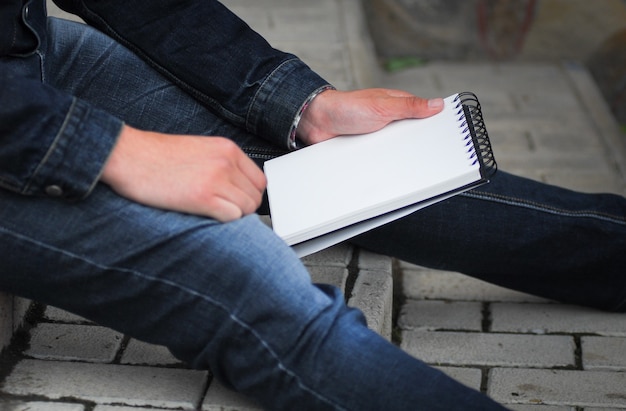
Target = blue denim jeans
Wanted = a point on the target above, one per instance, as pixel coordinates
(233, 298)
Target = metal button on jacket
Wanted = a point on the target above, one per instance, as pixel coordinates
(54, 191)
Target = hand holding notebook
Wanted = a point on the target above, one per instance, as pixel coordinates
(331, 191)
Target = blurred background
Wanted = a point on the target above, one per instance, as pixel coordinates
(409, 32)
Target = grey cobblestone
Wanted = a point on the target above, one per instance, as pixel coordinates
(604, 353)
(12, 312)
(140, 353)
(107, 383)
(337, 256)
(373, 295)
(57, 315)
(374, 262)
(40, 406)
(423, 283)
(524, 407)
(120, 408)
(74, 342)
(576, 388)
(507, 350)
(555, 318)
(336, 276)
(471, 377)
(219, 398)
(441, 315)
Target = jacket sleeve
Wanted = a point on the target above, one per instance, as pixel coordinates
(208, 51)
(52, 144)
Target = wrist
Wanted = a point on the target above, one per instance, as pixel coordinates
(309, 126)
(116, 170)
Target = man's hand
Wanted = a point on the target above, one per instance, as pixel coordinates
(334, 113)
(208, 176)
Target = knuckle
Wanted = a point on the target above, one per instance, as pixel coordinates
(228, 145)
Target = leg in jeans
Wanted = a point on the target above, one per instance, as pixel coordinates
(229, 297)
(523, 235)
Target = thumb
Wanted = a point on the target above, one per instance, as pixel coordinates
(420, 108)
(400, 105)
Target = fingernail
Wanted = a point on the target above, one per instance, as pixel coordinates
(435, 103)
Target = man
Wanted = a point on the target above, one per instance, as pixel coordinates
(130, 181)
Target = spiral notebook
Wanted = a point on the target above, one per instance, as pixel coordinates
(329, 192)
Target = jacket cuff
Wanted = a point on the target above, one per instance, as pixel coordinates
(281, 100)
(71, 167)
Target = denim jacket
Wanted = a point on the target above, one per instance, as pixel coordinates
(55, 144)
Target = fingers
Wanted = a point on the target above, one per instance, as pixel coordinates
(245, 192)
(235, 187)
(255, 176)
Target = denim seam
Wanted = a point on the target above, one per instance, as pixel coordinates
(261, 88)
(60, 134)
(183, 289)
(514, 201)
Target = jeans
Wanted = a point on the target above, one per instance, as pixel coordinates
(233, 298)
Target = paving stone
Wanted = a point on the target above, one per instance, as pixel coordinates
(519, 142)
(74, 342)
(6, 319)
(39, 406)
(558, 387)
(372, 261)
(604, 353)
(107, 384)
(219, 398)
(540, 102)
(338, 255)
(141, 353)
(516, 350)
(58, 315)
(556, 162)
(121, 408)
(373, 295)
(12, 313)
(440, 315)
(600, 115)
(421, 283)
(470, 377)
(332, 275)
(526, 407)
(586, 181)
(555, 318)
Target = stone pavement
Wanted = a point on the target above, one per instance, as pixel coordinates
(546, 121)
